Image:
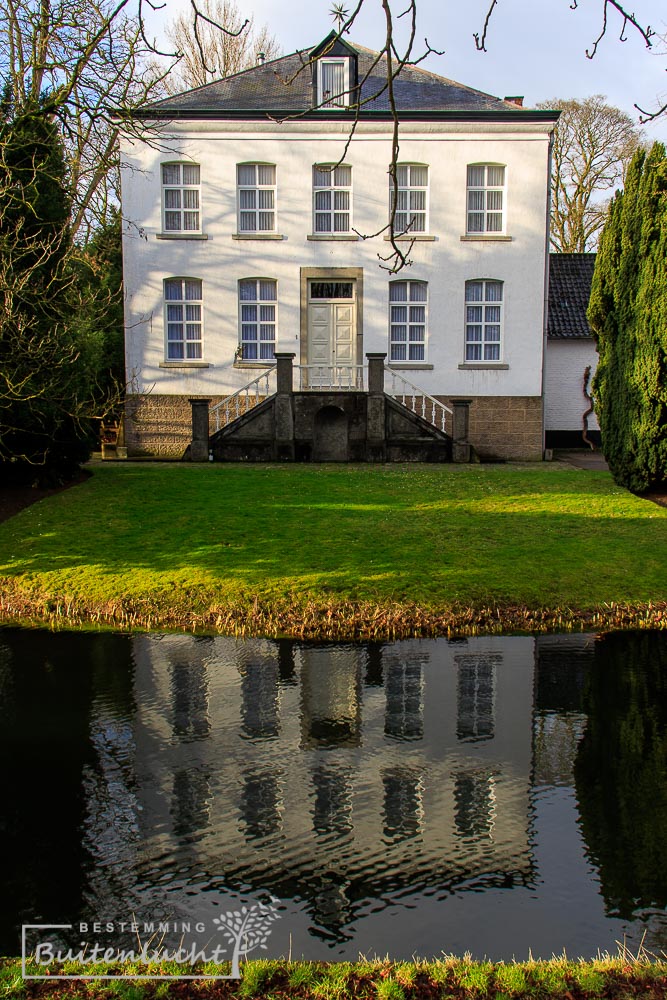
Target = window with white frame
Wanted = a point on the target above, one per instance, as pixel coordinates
(183, 318)
(333, 83)
(407, 320)
(257, 318)
(256, 197)
(180, 198)
(411, 198)
(486, 198)
(332, 198)
(484, 320)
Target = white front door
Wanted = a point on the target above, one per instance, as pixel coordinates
(332, 334)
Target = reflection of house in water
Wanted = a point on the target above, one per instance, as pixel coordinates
(336, 774)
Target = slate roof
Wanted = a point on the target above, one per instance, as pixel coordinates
(570, 277)
(266, 89)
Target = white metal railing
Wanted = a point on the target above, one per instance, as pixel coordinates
(349, 377)
(244, 399)
(415, 399)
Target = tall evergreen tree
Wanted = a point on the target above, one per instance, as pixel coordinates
(42, 435)
(628, 314)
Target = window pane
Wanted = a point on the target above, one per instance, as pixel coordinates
(265, 199)
(266, 222)
(417, 314)
(419, 176)
(250, 352)
(341, 201)
(416, 352)
(246, 174)
(192, 314)
(247, 222)
(322, 223)
(174, 331)
(343, 176)
(193, 350)
(172, 221)
(475, 222)
(494, 222)
(190, 173)
(401, 176)
(417, 333)
(494, 291)
(172, 199)
(474, 291)
(267, 332)
(475, 176)
(247, 199)
(247, 290)
(322, 201)
(418, 291)
(248, 332)
(175, 352)
(190, 221)
(249, 314)
(418, 200)
(476, 201)
(495, 176)
(417, 222)
(494, 201)
(266, 173)
(474, 352)
(398, 352)
(173, 289)
(400, 222)
(399, 314)
(192, 289)
(398, 291)
(474, 314)
(267, 314)
(341, 222)
(399, 333)
(492, 333)
(171, 173)
(492, 352)
(193, 331)
(321, 178)
(266, 351)
(474, 333)
(267, 291)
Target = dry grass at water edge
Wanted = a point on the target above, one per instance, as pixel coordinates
(607, 978)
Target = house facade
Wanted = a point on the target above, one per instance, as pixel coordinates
(249, 230)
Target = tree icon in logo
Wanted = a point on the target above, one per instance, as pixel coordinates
(246, 929)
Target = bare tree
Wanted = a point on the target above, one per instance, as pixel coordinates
(593, 145)
(216, 43)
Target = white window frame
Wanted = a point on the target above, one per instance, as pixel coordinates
(480, 333)
(178, 192)
(246, 322)
(487, 202)
(190, 324)
(407, 190)
(258, 189)
(411, 323)
(333, 173)
(339, 102)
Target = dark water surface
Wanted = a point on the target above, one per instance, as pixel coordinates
(495, 795)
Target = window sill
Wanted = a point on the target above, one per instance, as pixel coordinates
(401, 366)
(415, 238)
(486, 238)
(263, 365)
(181, 236)
(345, 237)
(483, 366)
(184, 364)
(257, 236)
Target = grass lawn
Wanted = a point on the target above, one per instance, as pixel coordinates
(263, 547)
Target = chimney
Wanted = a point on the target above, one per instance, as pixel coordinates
(515, 100)
(261, 58)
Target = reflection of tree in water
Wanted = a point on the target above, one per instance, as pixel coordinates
(621, 770)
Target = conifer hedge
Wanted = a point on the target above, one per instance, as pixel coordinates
(628, 315)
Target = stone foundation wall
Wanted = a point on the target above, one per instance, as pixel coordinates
(501, 427)
(159, 425)
(506, 428)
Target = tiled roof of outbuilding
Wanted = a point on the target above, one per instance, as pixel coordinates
(278, 87)
(570, 277)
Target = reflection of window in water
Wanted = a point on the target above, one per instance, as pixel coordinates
(259, 699)
(403, 685)
(402, 803)
(476, 695)
(189, 692)
(191, 797)
(331, 697)
(474, 799)
(332, 805)
(260, 800)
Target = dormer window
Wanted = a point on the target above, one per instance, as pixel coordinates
(334, 83)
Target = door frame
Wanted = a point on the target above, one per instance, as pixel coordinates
(355, 274)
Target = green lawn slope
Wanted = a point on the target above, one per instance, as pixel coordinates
(338, 550)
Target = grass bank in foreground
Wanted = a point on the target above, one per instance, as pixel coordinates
(449, 979)
(338, 551)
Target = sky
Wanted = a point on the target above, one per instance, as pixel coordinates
(536, 48)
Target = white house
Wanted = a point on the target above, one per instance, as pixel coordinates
(241, 240)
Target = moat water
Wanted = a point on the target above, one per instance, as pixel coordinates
(502, 796)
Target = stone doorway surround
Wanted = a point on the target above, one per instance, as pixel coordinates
(355, 274)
